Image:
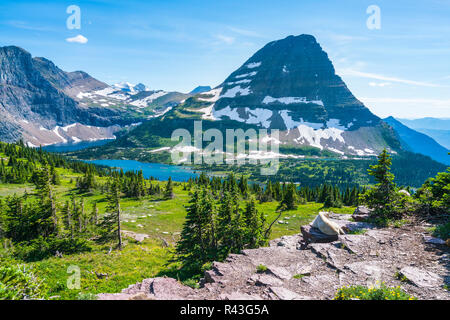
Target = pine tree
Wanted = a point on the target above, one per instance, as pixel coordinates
(66, 213)
(47, 202)
(94, 214)
(191, 247)
(289, 201)
(254, 226)
(243, 186)
(268, 193)
(382, 197)
(110, 228)
(168, 192)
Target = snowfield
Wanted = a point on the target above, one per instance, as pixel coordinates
(253, 65)
(231, 93)
(245, 75)
(291, 100)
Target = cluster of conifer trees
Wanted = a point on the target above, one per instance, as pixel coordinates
(217, 224)
(288, 194)
(21, 162)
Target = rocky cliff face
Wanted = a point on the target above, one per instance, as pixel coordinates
(34, 96)
(43, 104)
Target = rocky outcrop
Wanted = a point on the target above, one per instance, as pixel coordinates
(361, 213)
(398, 257)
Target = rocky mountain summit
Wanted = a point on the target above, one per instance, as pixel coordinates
(289, 85)
(366, 255)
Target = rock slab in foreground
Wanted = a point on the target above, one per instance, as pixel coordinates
(317, 271)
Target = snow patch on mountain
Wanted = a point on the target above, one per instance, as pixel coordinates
(290, 100)
(314, 137)
(245, 75)
(239, 82)
(142, 103)
(259, 116)
(253, 65)
(291, 124)
(335, 123)
(215, 93)
(231, 113)
(231, 93)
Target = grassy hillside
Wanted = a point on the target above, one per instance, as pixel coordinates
(106, 270)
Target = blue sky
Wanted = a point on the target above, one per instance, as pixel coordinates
(401, 69)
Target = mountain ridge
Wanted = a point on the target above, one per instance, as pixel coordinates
(42, 104)
(418, 142)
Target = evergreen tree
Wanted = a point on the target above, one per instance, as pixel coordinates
(191, 248)
(383, 195)
(110, 228)
(255, 226)
(289, 201)
(168, 192)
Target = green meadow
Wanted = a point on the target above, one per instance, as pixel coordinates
(106, 270)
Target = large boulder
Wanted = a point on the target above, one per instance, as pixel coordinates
(361, 213)
(326, 226)
(313, 235)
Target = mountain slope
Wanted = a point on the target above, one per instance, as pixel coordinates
(200, 89)
(418, 142)
(289, 85)
(43, 104)
(438, 129)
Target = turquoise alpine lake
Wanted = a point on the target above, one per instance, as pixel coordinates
(156, 170)
(68, 147)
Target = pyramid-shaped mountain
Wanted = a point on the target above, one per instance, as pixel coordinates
(289, 85)
(291, 82)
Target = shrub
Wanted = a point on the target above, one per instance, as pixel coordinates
(193, 283)
(18, 283)
(261, 268)
(86, 296)
(442, 231)
(367, 293)
(41, 248)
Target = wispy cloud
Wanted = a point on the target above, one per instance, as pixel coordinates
(26, 26)
(360, 74)
(379, 84)
(225, 39)
(436, 103)
(247, 33)
(78, 39)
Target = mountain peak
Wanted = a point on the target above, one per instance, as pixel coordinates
(200, 89)
(295, 81)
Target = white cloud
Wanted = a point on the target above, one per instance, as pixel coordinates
(225, 39)
(379, 84)
(78, 39)
(247, 33)
(436, 103)
(355, 73)
(408, 107)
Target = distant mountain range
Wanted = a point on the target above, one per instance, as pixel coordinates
(200, 89)
(438, 129)
(43, 104)
(418, 142)
(289, 84)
